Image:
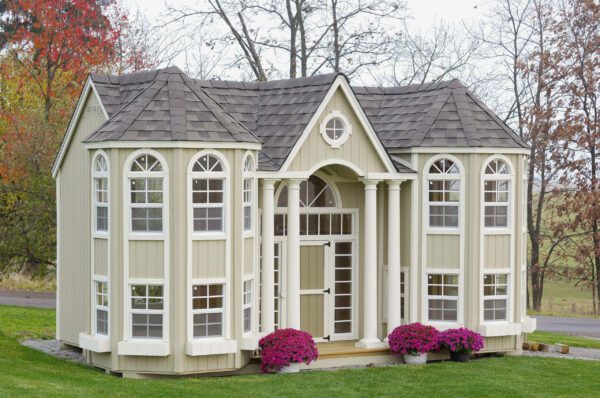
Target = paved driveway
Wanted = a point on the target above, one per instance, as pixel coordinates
(589, 327)
(28, 299)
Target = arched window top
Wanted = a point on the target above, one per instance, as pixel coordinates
(314, 192)
(208, 164)
(248, 164)
(444, 166)
(146, 163)
(497, 167)
(100, 165)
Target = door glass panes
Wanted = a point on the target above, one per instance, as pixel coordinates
(343, 288)
(317, 224)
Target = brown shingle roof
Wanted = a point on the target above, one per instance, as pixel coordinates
(167, 105)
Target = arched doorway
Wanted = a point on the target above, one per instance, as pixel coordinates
(328, 244)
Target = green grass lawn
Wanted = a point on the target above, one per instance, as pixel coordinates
(559, 297)
(573, 341)
(26, 372)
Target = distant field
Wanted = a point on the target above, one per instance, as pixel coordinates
(562, 298)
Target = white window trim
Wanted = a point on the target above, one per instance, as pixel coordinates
(499, 297)
(459, 299)
(95, 306)
(445, 177)
(347, 129)
(95, 175)
(510, 177)
(249, 278)
(153, 347)
(225, 311)
(163, 312)
(484, 231)
(254, 196)
(128, 175)
(223, 175)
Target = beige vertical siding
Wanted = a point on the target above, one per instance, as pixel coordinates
(208, 259)
(311, 314)
(74, 270)
(249, 256)
(146, 259)
(357, 149)
(496, 250)
(101, 256)
(443, 251)
(501, 343)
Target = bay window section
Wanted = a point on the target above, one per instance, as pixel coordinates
(147, 310)
(208, 194)
(496, 192)
(442, 297)
(208, 310)
(443, 194)
(495, 297)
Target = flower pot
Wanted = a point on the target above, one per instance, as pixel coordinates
(419, 359)
(461, 356)
(291, 368)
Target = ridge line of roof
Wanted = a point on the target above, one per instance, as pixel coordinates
(434, 116)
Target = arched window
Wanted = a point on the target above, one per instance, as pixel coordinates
(496, 192)
(146, 178)
(208, 194)
(444, 194)
(248, 192)
(100, 177)
(314, 192)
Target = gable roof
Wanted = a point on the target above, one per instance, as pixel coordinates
(148, 106)
(171, 107)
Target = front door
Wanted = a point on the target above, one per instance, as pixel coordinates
(314, 298)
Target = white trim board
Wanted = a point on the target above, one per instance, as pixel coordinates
(342, 83)
(172, 144)
(490, 150)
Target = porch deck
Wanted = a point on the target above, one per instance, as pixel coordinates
(346, 349)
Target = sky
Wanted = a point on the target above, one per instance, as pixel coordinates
(424, 12)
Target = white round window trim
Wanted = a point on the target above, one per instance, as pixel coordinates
(335, 129)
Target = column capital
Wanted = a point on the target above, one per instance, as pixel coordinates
(268, 183)
(370, 183)
(394, 184)
(294, 183)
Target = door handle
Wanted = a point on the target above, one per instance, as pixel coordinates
(328, 291)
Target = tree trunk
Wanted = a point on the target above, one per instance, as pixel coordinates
(336, 38)
(302, 30)
(293, 29)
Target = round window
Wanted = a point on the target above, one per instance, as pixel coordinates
(335, 129)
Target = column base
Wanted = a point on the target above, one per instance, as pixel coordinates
(370, 343)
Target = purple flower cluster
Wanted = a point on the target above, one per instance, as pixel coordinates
(461, 340)
(285, 346)
(413, 339)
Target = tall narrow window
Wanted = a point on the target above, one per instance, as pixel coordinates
(208, 194)
(402, 294)
(100, 176)
(147, 310)
(101, 304)
(247, 306)
(442, 297)
(248, 192)
(146, 178)
(496, 188)
(495, 297)
(444, 194)
(207, 310)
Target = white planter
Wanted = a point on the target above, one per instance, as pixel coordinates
(292, 368)
(420, 359)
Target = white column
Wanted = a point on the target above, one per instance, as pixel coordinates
(293, 255)
(369, 293)
(394, 315)
(267, 287)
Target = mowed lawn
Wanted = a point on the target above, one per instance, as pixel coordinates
(26, 372)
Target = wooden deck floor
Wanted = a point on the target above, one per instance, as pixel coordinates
(345, 349)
